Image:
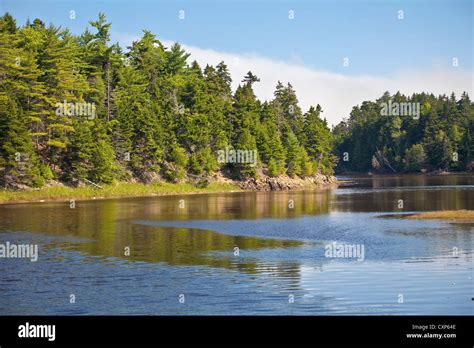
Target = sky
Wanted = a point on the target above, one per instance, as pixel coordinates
(335, 53)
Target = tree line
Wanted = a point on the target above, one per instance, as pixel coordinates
(77, 107)
(435, 134)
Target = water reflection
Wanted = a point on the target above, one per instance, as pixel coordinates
(280, 236)
(109, 227)
(409, 180)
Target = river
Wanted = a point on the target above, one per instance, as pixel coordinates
(246, 253)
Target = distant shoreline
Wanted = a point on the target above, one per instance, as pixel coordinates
(433, 173)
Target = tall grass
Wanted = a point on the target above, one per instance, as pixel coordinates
(114, 190)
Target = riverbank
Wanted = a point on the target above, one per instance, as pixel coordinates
(219, 184)
(118, 190)
(285, 183)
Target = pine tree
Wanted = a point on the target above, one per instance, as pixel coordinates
(137, 133)
(18, 162)
(293, 154)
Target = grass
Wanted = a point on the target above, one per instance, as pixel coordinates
(110, 191)
(445, 215)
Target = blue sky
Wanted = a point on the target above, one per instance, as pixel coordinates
(322, 33)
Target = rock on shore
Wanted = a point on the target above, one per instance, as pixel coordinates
(284, 183)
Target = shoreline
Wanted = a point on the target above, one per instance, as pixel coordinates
(433, 173)
(217, 184)
(122, 190)
(451, 215)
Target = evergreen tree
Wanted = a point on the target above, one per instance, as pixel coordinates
(438, 138)
(18, 162)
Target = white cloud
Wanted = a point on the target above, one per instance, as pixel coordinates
(336, 93)
(124, 39)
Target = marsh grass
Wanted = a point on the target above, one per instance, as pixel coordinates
(110, 191)
(445, 215)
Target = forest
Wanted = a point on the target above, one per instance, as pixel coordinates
(437, 138)
(76, 108)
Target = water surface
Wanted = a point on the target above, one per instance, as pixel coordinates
(246, 253)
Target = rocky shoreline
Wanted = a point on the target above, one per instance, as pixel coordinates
(285, 183)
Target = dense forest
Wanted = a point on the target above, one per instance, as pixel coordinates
(77, 108)
(436, 135)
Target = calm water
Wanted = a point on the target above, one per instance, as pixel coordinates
(281, 267)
